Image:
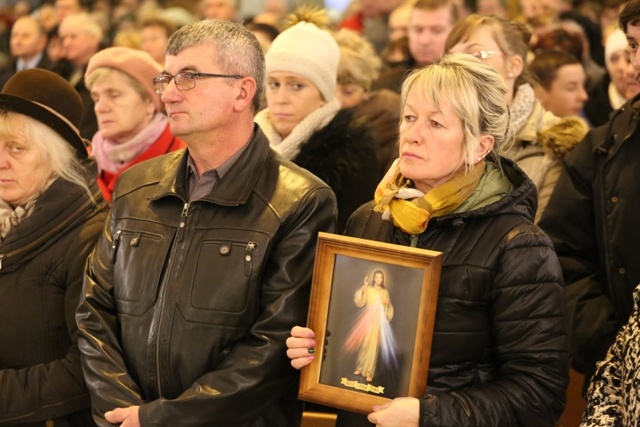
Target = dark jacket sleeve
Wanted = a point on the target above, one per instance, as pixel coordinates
(57, 388)
(529, 340)
(103, 360)
(570, 222)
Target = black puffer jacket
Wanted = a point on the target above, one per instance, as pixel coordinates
(42, 261)
(592, 219)
(499, 355)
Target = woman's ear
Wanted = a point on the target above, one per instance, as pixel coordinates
(485, 145)
(515, 66)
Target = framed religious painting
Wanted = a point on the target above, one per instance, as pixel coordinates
(372, 309)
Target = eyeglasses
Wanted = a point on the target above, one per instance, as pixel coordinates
(185, 81)
(484, 54)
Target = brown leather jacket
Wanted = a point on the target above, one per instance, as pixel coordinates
(187, 306)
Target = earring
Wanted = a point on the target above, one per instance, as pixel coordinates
(510, 75)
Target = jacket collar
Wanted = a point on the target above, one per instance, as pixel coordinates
(622, 124)
(238, 183)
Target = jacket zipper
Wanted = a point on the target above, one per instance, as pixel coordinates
(183, 220)
(158, 320)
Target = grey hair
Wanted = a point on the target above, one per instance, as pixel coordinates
(58, 152)
(237, 49)
(474, 90)
(86, 24)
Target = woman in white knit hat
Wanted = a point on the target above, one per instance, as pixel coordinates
(304, 122)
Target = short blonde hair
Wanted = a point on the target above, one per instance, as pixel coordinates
(474, 90)
(359, 63)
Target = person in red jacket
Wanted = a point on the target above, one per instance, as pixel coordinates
(132, 126)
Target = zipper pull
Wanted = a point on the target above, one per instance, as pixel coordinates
(114, 246)
(1, 258)
(183, 215)
(248, 257)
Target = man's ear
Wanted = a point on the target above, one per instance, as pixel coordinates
(246, 91)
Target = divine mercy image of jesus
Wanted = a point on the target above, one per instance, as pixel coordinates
(371, 336)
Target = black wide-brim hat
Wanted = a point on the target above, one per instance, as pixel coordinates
(48, 98)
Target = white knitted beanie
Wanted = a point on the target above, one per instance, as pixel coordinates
(306, 50)
(616, 41)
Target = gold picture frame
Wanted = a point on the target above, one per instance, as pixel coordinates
(372, 309)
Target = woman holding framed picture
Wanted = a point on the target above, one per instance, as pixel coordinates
(499, 353)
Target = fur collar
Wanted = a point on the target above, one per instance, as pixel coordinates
(289, 147)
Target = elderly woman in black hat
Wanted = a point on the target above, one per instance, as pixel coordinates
(51, 212)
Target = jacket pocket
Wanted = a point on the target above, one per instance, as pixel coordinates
(224, 275)
(139, 257)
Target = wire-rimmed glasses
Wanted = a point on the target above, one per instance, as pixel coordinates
(485, 54)
(185, 80)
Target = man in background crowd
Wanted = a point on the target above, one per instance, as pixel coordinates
(28, 42)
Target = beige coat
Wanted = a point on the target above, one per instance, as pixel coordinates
(540, 146)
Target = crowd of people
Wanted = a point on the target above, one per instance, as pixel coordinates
(165, 168)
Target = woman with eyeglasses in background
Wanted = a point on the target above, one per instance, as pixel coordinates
(132, 126)
(542, 139)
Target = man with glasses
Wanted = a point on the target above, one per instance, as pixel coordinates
(206, 259)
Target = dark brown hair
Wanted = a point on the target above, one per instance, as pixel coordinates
(546, 64)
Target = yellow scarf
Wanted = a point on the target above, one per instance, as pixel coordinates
(410, 209)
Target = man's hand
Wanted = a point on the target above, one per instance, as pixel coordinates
(125, 417)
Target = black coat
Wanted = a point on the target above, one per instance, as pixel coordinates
(499, 354)
(40, 283)
(89, 123)
(343, 155)
(592, 219)
(598, 107)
